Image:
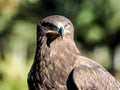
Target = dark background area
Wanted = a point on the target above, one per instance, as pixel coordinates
(97, 34)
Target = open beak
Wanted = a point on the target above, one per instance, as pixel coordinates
(59, 31)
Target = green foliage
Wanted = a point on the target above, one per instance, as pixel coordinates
(94, 34)
(85, 17)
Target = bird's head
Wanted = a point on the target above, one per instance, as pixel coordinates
(55, 26)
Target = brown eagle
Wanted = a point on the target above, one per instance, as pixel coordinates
(58, 65)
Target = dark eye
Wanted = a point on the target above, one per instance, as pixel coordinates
(49, 26)
(66, 26)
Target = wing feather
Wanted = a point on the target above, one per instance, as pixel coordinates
(92, 76)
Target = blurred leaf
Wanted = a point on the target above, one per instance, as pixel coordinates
(85, 16)
(95, 34)
(23, 32)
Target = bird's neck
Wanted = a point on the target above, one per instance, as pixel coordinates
(56, 60)
(59, 48)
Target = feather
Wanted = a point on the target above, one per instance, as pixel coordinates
(58, 64)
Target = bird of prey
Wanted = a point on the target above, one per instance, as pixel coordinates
(58, 64)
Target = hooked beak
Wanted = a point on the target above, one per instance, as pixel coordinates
(59, 31)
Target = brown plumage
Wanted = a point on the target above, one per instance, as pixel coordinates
(58, 64)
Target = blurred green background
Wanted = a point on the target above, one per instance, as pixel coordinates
(97, 34)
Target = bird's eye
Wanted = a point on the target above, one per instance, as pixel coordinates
(49, 26)
(67, 25)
